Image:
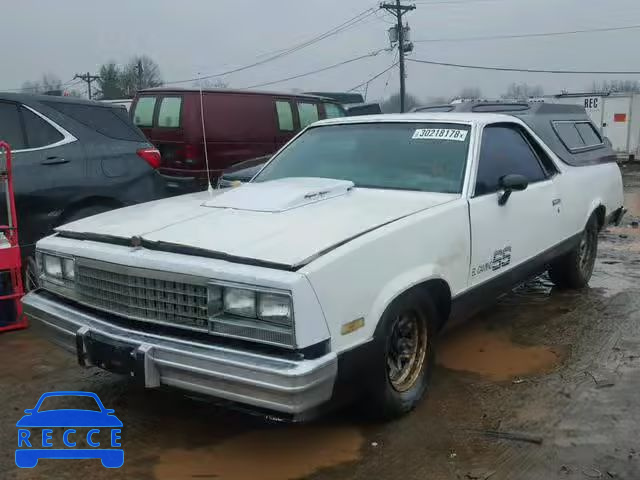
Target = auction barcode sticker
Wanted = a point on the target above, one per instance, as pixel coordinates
(440, 134)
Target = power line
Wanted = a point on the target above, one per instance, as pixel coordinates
(335, 65)
(527, 35)
(376, 76)
(526, 70)
(334, 31)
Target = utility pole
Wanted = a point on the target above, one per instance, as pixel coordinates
(87, 78)
(398, 10)
(139, 71)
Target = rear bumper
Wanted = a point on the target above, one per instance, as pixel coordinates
(255, 380)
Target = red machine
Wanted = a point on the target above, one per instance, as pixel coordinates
(11, 317)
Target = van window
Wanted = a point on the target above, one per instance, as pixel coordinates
(109, 121)
(285, 116)
(143, 114)
(169, 115)
(10, 126)
(39, 132)
(333, 111)
(308, 113)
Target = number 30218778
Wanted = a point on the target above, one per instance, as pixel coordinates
(501, 258)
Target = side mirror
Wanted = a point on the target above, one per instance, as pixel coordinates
(29, 411)
(510, 184)
(109, 411)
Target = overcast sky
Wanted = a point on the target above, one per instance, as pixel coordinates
(65, 37)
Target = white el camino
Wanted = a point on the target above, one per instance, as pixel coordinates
(330, 274)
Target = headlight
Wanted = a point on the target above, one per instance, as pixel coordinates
(252, 313)
(57, 268)
(274, 308)
(238, 301)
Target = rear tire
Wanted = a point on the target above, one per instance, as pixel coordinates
(403, 356)
(574, 270)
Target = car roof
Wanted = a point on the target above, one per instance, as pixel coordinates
(30, 97)
(232, 91)
(447, 117)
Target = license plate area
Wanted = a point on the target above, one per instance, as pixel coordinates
(111, 355)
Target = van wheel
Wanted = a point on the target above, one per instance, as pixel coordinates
(403, 355)
(575, 269)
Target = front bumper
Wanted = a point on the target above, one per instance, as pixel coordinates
(256, 380)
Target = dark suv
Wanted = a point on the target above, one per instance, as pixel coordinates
(73, 158)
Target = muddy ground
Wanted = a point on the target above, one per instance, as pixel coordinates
(560, 371)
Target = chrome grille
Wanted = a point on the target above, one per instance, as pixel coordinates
(141, 297)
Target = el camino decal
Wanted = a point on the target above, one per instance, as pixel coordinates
(501, 258)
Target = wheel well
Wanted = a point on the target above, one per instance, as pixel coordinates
(87, 203)
(600, 214)
(440, 292)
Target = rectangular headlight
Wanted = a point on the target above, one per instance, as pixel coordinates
(239, 301)
(58, 268)
(52, 266)
(274, 308)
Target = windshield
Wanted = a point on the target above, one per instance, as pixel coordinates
(429, 157)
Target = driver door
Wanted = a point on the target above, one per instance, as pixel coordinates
(507, 236)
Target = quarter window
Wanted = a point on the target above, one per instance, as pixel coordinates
(505, 151)
(308, 113)
(11, 126)
(589, 134)
(577, 135)
(285, 116)
(169, 115)
(39, 132)
(143, 113)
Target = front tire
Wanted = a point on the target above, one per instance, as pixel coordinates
(575, 269)
(403, 355)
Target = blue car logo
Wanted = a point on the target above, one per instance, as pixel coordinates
(73, 422)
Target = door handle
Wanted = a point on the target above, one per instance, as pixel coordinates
(556, 202)
(54, 161)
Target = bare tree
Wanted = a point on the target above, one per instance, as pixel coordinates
(611, 86)
(522, 91)
(47, 83)
(140, 72)
(470, 93)
(392, 104)
(211, 83)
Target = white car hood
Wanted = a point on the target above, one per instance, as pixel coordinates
(283, 223)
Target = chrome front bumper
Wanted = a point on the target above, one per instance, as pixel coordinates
(257, 380)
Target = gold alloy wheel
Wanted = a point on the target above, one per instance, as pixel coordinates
(407, 350)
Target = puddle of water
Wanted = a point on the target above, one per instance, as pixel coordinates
(632, 203)
(287, 452)
(492, 354)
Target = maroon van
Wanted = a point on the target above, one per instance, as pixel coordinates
(240, 125)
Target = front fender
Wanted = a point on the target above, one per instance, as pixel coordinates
(399, 285)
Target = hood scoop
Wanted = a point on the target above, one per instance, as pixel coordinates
(280, 195)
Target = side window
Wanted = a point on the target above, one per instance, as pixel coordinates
(569, 135)
(285, 116)
(308, 113)
(39, 132)
(505, 151)
(143, 113)
(169, 115)
(11, 126)
(333, 111)
(589, 134)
